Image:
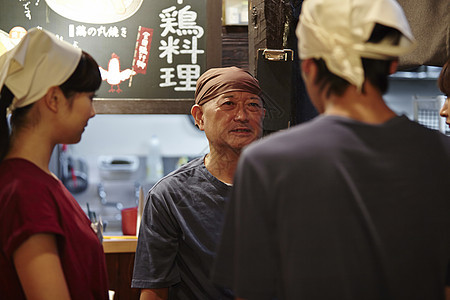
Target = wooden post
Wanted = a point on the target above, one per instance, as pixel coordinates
(268, 27)
(272, 25)
(214, 33)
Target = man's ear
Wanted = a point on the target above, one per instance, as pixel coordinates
(53, 98)
(197, 113)
(308, 68)
(393, 66)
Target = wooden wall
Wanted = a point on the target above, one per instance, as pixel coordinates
(235, 46)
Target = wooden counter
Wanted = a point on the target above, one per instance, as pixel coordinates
(119, 256)
(119, 244)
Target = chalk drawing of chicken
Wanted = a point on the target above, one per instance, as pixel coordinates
(114, 76)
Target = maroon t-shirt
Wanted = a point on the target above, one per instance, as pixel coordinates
(31, 202)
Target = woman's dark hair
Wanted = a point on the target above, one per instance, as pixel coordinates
(85, 78)
(376, 71)
(6, 98)
(444, 78)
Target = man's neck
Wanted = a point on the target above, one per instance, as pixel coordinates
(368, 107)
(222, 165)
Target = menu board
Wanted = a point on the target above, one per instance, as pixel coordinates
(152, 49)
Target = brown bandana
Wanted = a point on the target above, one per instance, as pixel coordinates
(218, 81)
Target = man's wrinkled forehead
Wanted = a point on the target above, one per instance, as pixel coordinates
(240, 95)
(218, 81)
(236, 96)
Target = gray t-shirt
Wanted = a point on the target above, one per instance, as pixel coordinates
(178, 236)
(338, 209)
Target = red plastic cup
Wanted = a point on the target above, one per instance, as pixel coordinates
(129, 220)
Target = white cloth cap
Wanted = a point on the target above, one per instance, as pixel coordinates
(38, 62)
(337, 31)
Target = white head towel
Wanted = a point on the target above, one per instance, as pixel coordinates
(337, 31)
(37, 63)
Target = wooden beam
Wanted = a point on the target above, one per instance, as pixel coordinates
(143, 106)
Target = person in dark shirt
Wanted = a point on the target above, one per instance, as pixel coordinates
(350, 205)
(183, 214)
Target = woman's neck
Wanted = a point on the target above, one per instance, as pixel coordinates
(32, 148)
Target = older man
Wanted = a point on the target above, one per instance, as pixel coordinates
(353, 204)
(184, 211)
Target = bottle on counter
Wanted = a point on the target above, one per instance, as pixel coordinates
(154, 160)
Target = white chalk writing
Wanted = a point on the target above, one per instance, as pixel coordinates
(180, 36)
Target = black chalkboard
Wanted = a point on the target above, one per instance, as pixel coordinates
(160, 45)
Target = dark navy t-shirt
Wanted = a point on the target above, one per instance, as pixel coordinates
(178, 236)
(339, 209)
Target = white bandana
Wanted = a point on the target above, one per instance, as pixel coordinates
(38, 62)
(337, 31)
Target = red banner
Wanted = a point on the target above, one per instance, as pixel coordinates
(142, 51)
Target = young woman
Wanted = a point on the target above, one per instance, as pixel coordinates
(47, 247)
(444, 86)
